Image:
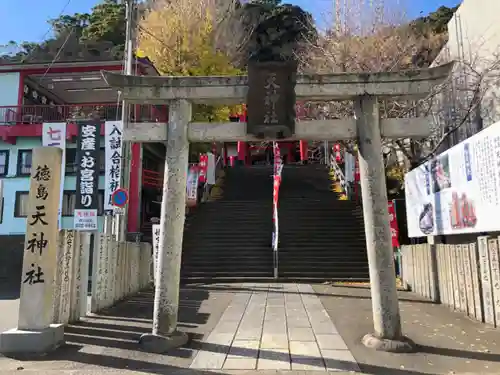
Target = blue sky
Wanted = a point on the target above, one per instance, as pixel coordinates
(26, 20)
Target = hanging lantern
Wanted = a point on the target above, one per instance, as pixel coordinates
(337, 152)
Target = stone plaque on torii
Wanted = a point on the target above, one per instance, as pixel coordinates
(367, 127)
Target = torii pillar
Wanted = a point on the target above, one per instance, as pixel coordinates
(367, 126)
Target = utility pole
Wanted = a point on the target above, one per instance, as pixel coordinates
(121, 222)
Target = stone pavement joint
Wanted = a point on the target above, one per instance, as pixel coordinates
(280, 327)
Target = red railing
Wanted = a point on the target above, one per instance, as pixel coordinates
(37, 114)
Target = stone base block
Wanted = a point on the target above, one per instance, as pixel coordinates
(402, 345)
(161, 344)
(22, 341)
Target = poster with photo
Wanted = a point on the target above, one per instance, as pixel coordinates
(458, 191)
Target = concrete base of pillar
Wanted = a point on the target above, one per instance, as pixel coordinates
(25, 342)
(162, 344)
(403, 345)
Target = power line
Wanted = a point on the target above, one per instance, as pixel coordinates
(60, 14)
(42, 38)
(56, 57)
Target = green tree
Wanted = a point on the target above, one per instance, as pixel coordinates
(105, 23)
(65, 24)
(436, 22)
(266, 30)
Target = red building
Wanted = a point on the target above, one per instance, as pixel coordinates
(35, 93)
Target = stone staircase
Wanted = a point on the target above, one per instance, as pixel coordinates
(321, 237)
(230, 238)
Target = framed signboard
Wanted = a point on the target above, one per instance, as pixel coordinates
(271, 99)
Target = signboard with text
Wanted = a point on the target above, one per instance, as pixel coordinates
(87, 178)
(459, 190)
(113, 153)
(192, 186)
(156, 248)
(393, 222)
(271, 99)
(54, 135)
(41, 241)
(203, 167)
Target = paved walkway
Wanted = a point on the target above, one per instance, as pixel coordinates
(275, 327)
(265, 329)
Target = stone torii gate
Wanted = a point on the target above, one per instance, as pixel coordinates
(367, 127)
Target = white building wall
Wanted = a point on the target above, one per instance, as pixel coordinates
(474, 38)
(9, 89)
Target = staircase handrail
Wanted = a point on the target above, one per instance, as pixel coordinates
(344, 184)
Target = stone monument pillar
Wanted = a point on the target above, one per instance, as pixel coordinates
(34, 332)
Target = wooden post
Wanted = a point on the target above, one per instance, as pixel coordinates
(468, 281)
(75, 280)
(98, 277)
(58, 279)
(461, 278)
(84, 271)
(484, 266)
(476, 281)
(434, 242)
(113, 269)
(454, 275)
(495, 277)
(449, 276)
(35, 331)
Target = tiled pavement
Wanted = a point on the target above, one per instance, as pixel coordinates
(275, 327)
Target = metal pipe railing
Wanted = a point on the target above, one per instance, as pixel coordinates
(345, 185)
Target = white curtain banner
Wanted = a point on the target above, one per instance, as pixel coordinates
(210, 169)
(113, 131)
(54, 135)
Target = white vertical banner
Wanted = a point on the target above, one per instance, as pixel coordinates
(156, 249)
(113, 131)
(210, 169)
(192, 185)
(54, 135)
(350, 165)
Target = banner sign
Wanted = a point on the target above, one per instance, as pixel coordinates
(277, 157)
(349, 167)
(156, 249)
(271, 98)
(458, 191)
(87, 178)
(54, 135)
(278, 167)
(394, 224)
(211, 168)
(203, 167)
(192, 186)
(113, 164)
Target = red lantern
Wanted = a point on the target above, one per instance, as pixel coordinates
(338, 154)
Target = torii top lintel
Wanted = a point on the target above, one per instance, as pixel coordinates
(233, 89)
